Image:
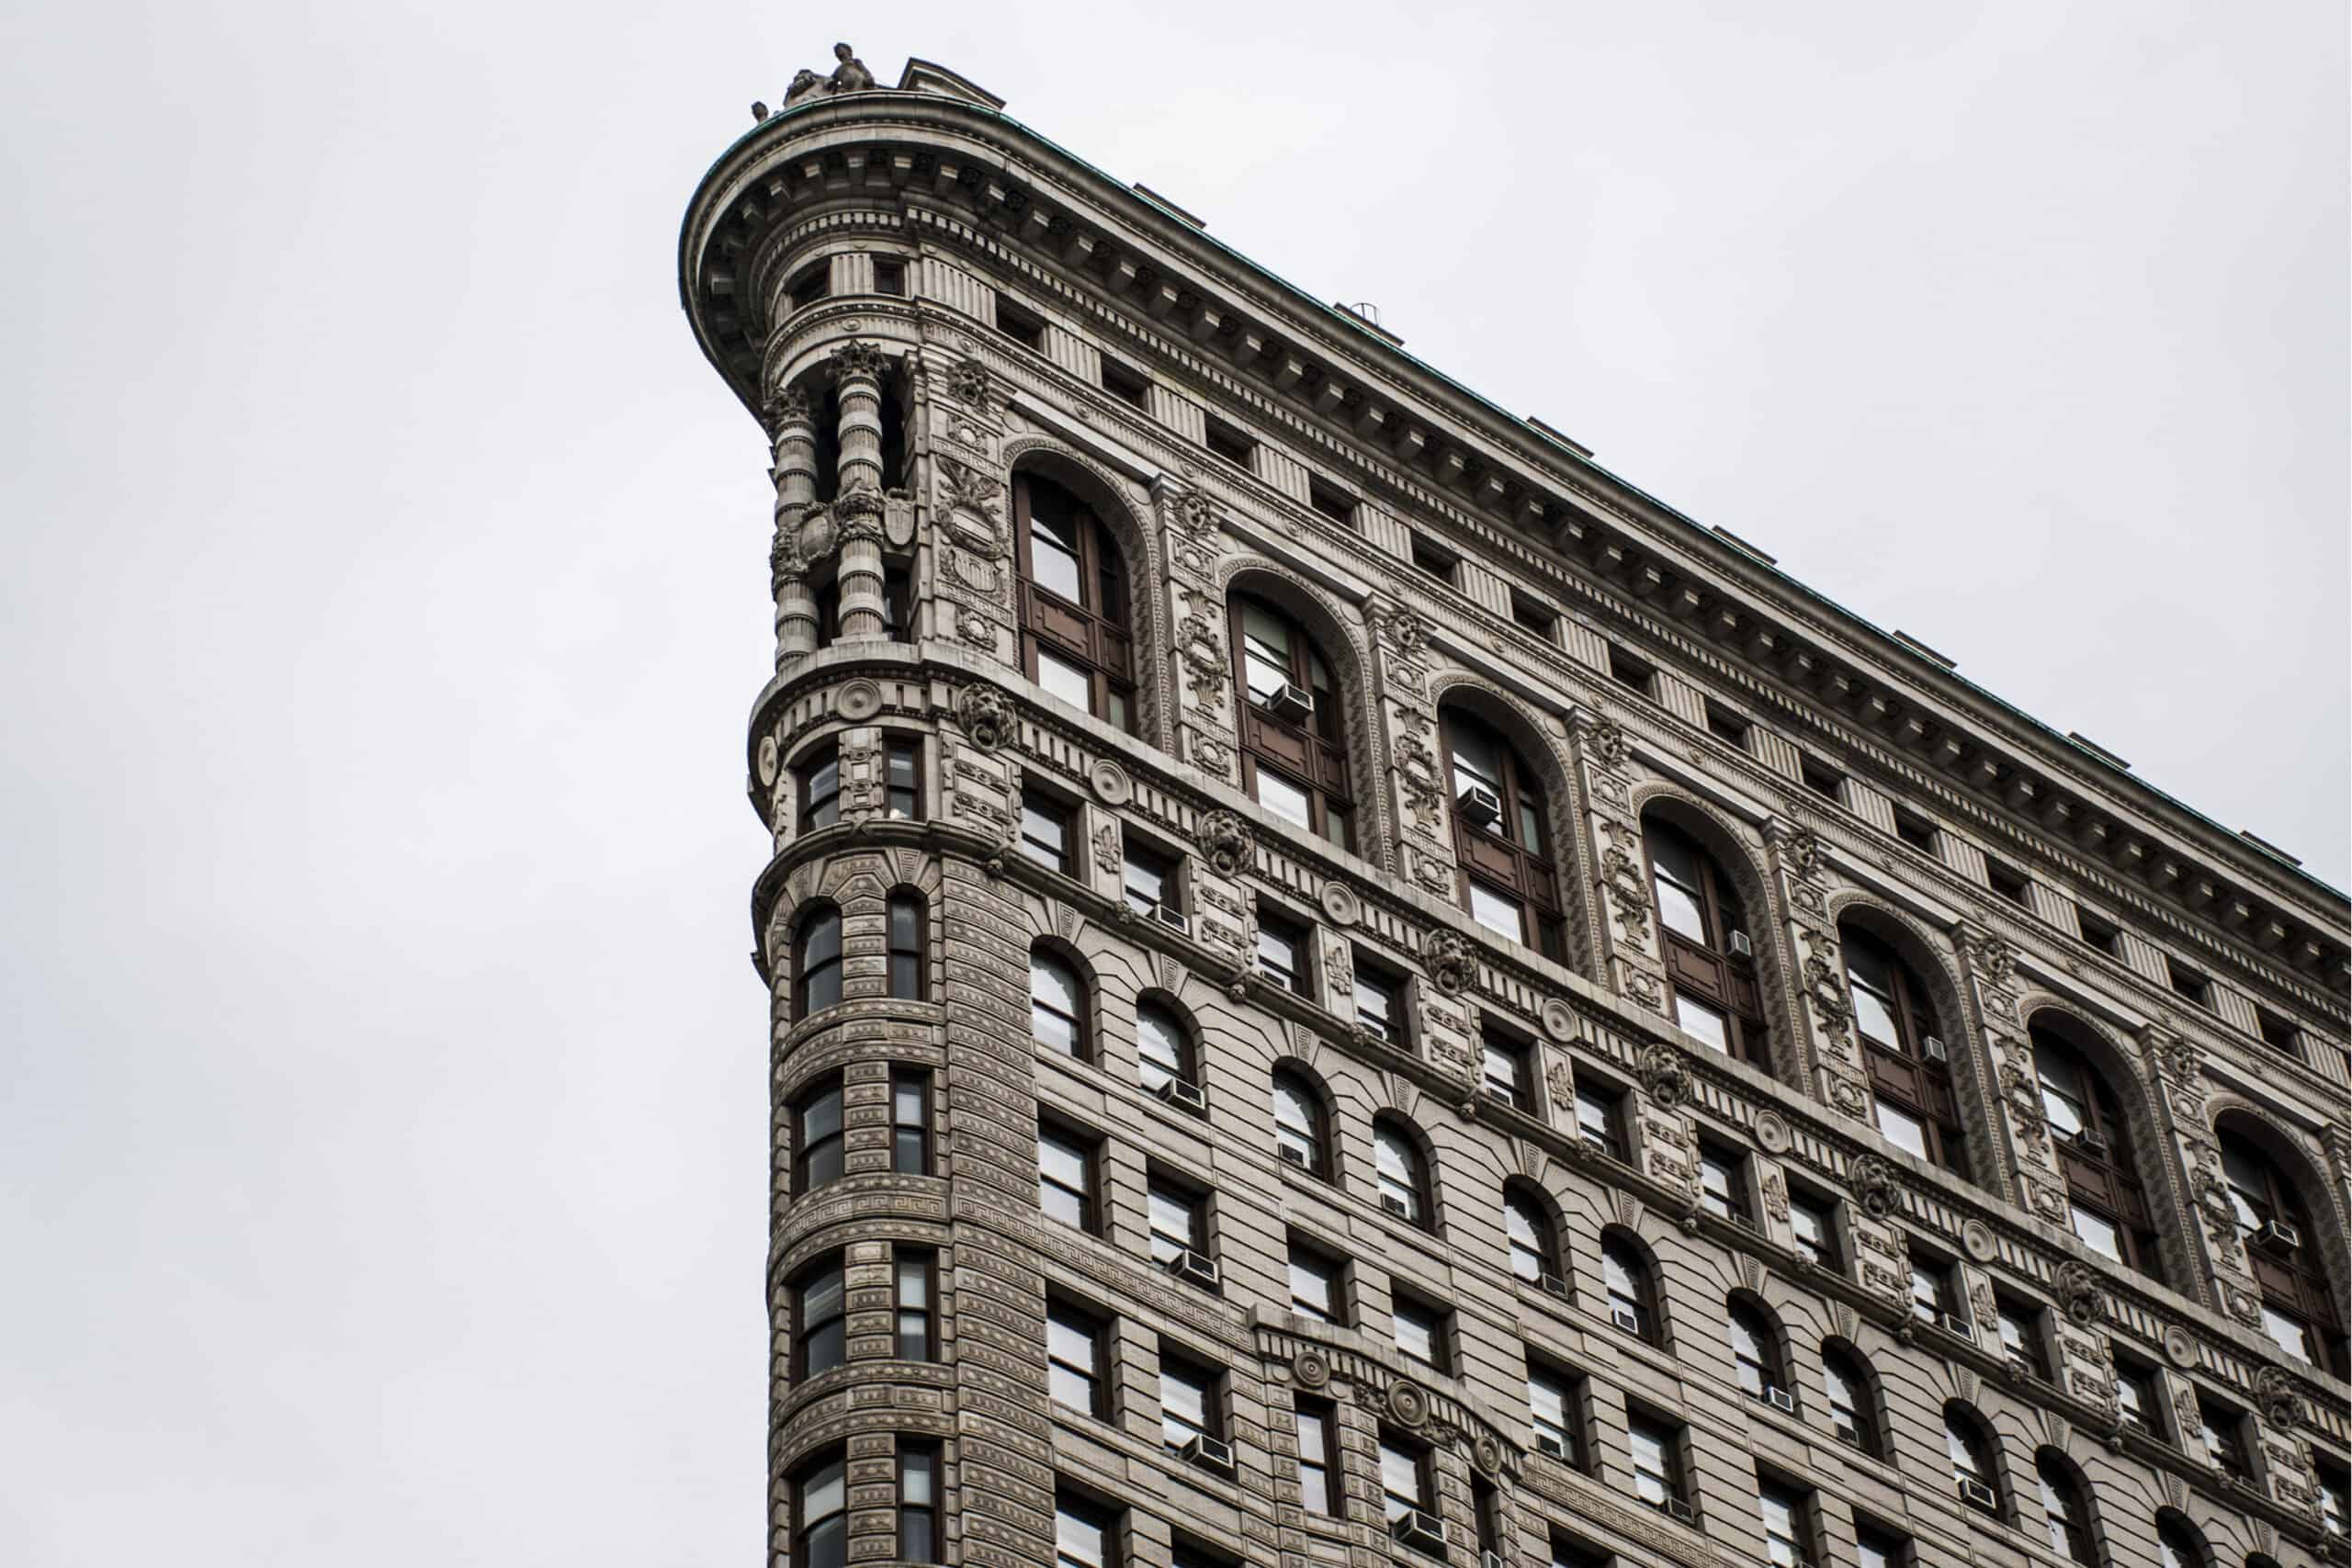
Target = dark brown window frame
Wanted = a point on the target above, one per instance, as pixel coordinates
(926, 1259)
(814, 1089)
(901, 1075)
(2298, 1286)
(1311, 758)
(803, 1006)
(1900, 1069)
(918, 954)
(1709, 972)
(1092, 636)
(2108, 1183)
(810, 1467)
(928, 1449)
(804, 1327)
(1487, 857)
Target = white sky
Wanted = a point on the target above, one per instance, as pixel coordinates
(382, 1127)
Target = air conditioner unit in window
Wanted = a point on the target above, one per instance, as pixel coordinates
(1678, 1510)
(1295, 1155)
(1780, 1399)
(1171, 917)
(1956, 1325)
(1977, 1494)
(1850, 1433)
(1184, 1096)
(1478, 805)
(1422, 1532)
(1739, 945)
(1934, 1050)
(1208, 1453)
(2020, 1367)
(1627, 1319)
(1192, 1266)
(2279, 1236)
(1552, 1284)
(1496, 1092)
(1396, 1205)
(1553, 1446)
(1289, 704)
(1491, 1560)
(2091, 1143)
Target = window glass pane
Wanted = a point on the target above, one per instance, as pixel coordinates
(1400, 1479)
(1078, 1540)
(1044, 833)
(1175, 1221)
(820, 1118)
(1497, 912)
(1596, 1120)
(1709, 1024)
(1183, 1405)
(1281, 797)
(1066, 681)
(1903, 1129)
(2288, 1331)
(1417, 1332)
(1679, 911)
(1145, 884)
(1312, 1282)
(1477, 756)
(2097, 1233)
(1265, 650)
(1874, 1014)
(1159, 1047)
(1812, 1225)
(1504, 1069)
(1336, 826)
(1528, 1246)
(1278, 955)
(1295, 1122)
(1399, 1168)
(1375, 1004)
(1053, 551)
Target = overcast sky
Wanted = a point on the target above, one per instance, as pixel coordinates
(382, 1129)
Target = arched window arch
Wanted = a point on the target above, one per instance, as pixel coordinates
(1632, 1290)
(1710, 950)
(1757, 1358)
(1403, 1172)
(1974, 1470)
(1302, 1130)
(1058, 1004)
(1164, 1050)
(1853, 1395)
(1076, 639)
(905, 937)
(1906, 1054)
(2066, 1504)
(2299, 1306)
(1502, 835)
(1534, 1239)
(816, 960)
(2179, 1545)
(2106, 1203)
(1294, 729)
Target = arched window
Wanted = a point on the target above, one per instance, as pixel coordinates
(1534, 1244)
(1163, 1048)
(1756, 1360)
(817, 1142)
(2299, 1307)
(2105, 1201)
(1633, 1296)
(1909, 1063)
(821, 1514)
(1404, 1173)
(1502, 835)
(817, 961)
(906, 940)
(1710, 952)
(1075, 635)
(1852, 1394)
(2068, 1508)
(1299, 1130)
(1293, 735)
(2179, 1545)
(1058, 1004)
(1971, 1446)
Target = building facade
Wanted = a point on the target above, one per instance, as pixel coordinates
(1348, 988)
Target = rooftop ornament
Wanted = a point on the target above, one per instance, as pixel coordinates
(849, 77)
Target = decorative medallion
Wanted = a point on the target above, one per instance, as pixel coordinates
(1976, 1240)
(1341, 904)
(1487, 1453)
(1771, 1133)
(858, 699)
(1310, 1369)
(1112, 785)
(1559, 1020)
(1407, 1403)
(767, 760)
(2180, 1348)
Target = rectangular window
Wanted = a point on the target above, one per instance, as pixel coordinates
(2223, 1431)
(1227, 442)
(1534, 618)
(898, 603)
(1497, 911)
(1179, 1216)
(1632, 672)
(2101, 934)
(1189, 1401)
(2279, 1034)
(1822, 779)
(1814, 1221)
(1065, 1176)
(1148, 881)
(1404, 1480)
(1504, 1070)
(890, 278)
(1876, 1546)
(1074, 1358)
(902, 780)
(1045, 831)
(1023, 326)
(1129, 386)
(1599, 1122)
(1915, 832)
(2334, 1498)
(2189, 983)
(2010, 884)
(1318, 1458)
(1086, 1534)
(1932, 1294)
(1424, 1331)
(1723, 1183)
(918, 1502)
(2136, 1397)
(1437, 562)
(1316, 1281)
(1281, 953)
(811, 284)
(915, 1278)
(1380, 1001)
(910, 1121)
(1656, 1445)
(1903, 1129)
(2022, 1339)
(1335, 504)
(1555, 1403)
(1728, 727)
(1788, 1523)
(1566, 1553)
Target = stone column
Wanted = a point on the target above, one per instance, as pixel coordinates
(793, 466)
(857, 505)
